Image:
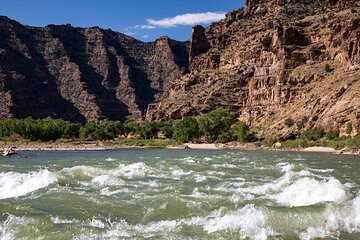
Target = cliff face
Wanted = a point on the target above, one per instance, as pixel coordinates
(272, 60)
(83, 74)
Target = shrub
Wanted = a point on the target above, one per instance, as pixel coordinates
(328, 68)
(349, 128)
(269, 142)
(332, 134)
(313, 134)
(289, 122)
(323, 20)
(296, 144)
(242, 132)
(356, 141)
(301, 124)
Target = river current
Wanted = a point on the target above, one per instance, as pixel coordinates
(179, 194)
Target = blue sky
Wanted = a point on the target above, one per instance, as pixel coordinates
(143, 19)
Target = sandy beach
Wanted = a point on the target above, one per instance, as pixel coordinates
(321, 150)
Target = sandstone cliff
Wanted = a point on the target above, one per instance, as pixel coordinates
(83, 74)
(272, 60)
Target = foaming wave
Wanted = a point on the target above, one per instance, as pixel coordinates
(298, 186)
(133, 170)
(306, 191)
(247, 222)
(107, 180)
(344, 218)
(107, 192)
(13, 184)
(107, 177)
(12, 225)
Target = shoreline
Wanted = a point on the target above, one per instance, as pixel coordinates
(104, 146)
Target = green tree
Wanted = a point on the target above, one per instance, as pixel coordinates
(129, 126)
(242, 132)
(167, 128)
(147, 130)
(216, 125)
(187, 130)
(86, 131)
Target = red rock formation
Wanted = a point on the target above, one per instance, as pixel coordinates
(267, 61)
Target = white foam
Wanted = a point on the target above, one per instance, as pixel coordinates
(133, 170)
(107, 177)
(335, 219)
(96, 223)
(13, 184)
(14, 225)
(225, 165)
(177, 173)
(88, 171)
(306, 191)
(200, 178)
(108, 192)
(107, 180)
(249, 220)
(57, 220)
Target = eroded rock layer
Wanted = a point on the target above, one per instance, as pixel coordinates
(272, 60)
(83, 74)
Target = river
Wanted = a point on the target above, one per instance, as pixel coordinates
(179, 194)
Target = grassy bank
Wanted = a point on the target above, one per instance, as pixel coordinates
(149, 143)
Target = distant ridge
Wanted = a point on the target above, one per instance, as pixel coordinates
(83, 74)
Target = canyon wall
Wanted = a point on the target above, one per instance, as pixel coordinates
(83, 74)
(272, 60)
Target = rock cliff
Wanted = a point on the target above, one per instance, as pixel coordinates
(272, 60)
(83, 74)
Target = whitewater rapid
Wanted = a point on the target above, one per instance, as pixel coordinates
(13, 184)
(199, 195)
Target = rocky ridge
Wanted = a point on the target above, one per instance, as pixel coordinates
(83, 74)
(272, 60)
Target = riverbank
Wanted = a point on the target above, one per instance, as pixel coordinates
(146, 144)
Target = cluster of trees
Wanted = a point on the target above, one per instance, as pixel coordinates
(39, 130)
(217, 126)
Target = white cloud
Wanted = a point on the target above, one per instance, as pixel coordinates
(145, 36)
(145, 27)
(188, 19)
(130, 33)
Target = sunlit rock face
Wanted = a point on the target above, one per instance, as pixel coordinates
(268, 61)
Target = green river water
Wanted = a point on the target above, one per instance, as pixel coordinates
(179, 194)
